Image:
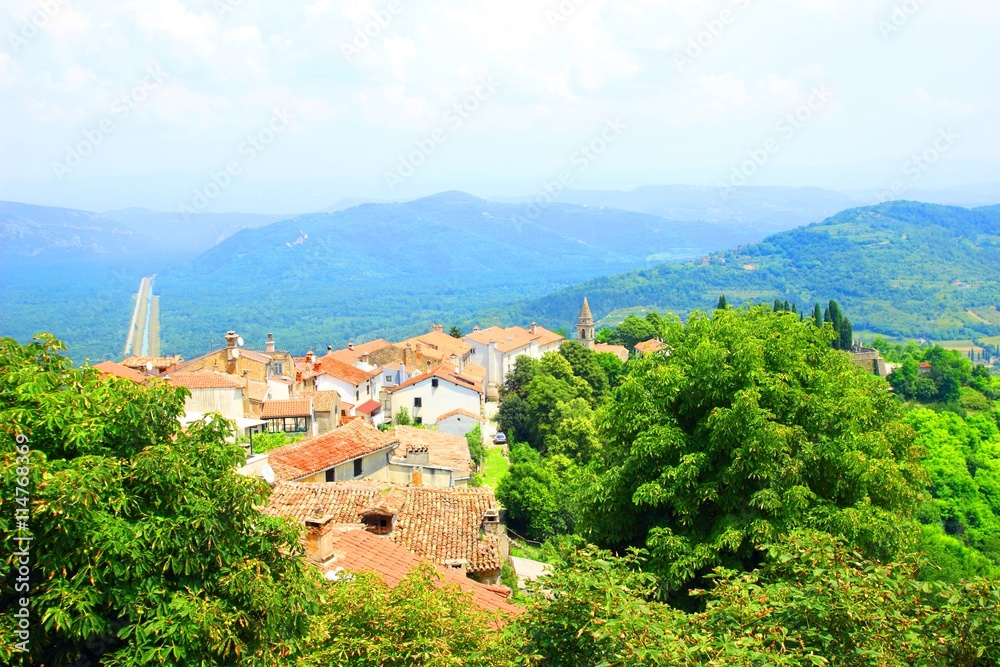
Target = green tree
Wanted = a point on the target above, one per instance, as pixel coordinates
(817, 317)
(585, 365)
(613, 367)
(517, 380)
(148, 547)
(513, 419)
(455, 332)
(603, 335)
(751, 427)
(633, 330)
(403, 418)
(541, 495)
(723, 304)
(846, 334)
(476, 449)
(366, 623)
(553, 384)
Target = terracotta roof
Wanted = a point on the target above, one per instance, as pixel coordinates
(346, 372)
(649, 346)
(438, 524)
(619, 351)
(474, 371)
(514, 338)
(368, 407)
(158, 362)
(313, 455)
(436, 345)
(259, 357)
(323, 401)
(294, 407)
(349, 355)
(357, 550)
(119, 370)
(444, 450)
(257, 391)
(444, 372)
(206, 379)
(460, 411)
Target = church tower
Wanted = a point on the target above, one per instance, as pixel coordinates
(585, 326)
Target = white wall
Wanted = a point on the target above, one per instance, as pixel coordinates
(349, 393)
(457, 425)
(436, 401)
(227, 402)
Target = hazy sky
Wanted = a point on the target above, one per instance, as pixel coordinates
(282, 107)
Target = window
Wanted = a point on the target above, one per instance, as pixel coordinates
(388, 379)
(358, 469)
(357, 396)
(331, 475)
(277, 368)
(418, 402)
(434, 382)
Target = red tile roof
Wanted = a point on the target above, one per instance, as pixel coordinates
(119, 370)
(323, 401)
(349, 355)
(312, 455)
(259, 357)
(368, 407)
(514, 338)
(438, 524)
(257, 391)
(159, 363)
(357, 550)
(346, 372)
(295, 407)
(444, 450)
(206, 379)
(460, 411)
(444, 372)
(649, 346)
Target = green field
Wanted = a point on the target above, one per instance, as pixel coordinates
(495, 466)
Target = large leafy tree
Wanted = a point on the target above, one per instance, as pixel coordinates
(752, 426)
(586, 365)
(148, 548)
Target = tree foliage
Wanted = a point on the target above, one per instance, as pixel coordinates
(752, 426)
(148, 547)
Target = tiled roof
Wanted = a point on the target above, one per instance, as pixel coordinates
(444, 450)
(474, 371)
(346, 372)
(323, 401)
(257, 391)
(436, 345)
(444, 372)
(259, 357)
(438, 524)
(206, 379)
(649, 346)
(357, 550)
(119, 370)
(157, 362)
(294, 407)
(368, 407)
(313, 455)
(349, 355)
(619, 351)
(514, 338)
(460, 411)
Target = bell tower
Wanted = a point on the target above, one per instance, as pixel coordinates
(585, 326)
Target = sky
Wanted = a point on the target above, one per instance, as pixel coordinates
(246, 105)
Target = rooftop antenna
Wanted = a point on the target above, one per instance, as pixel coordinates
(239, 341)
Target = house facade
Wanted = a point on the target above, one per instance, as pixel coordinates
(458, 422)
(496, 350)
(442, 390)
(355, 451)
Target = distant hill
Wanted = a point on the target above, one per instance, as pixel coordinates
(901, 268)
(390, 269)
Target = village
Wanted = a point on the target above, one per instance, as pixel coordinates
(378, 468)
(382, 477)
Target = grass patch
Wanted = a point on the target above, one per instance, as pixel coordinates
(495, 467)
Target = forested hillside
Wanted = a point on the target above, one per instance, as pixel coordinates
(902, 268)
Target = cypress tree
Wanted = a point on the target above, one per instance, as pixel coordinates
(777, 305)
(817, 317)
(787, 307)
(836, 315)
(795, 308)
(846, 335)
(723, 304)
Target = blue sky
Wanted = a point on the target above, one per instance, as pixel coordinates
(258, 106)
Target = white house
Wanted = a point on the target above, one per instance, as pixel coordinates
(429, 396)
(458, 422)
(497, 349)
(356, 386)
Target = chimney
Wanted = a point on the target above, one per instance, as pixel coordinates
(310, 355)
(364, 358)
(475, 329)
(534, 328)
(418, 477)
(319, 538)
(231, 338)
(350, 346)
(491, 522)
(407, 354)
(269, 345)
(418, 455)
(329, 349)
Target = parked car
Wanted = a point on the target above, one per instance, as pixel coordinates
(500, 439)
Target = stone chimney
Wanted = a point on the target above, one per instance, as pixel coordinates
(534, 328)
(310, 356)
(320, 538)
(350, 346)
(475, 329)
(491, 522)
(407, 355)
(231, 338)
(231, 353)
(364, 358)
(418, 477)
(269, 345)
(418, 455)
